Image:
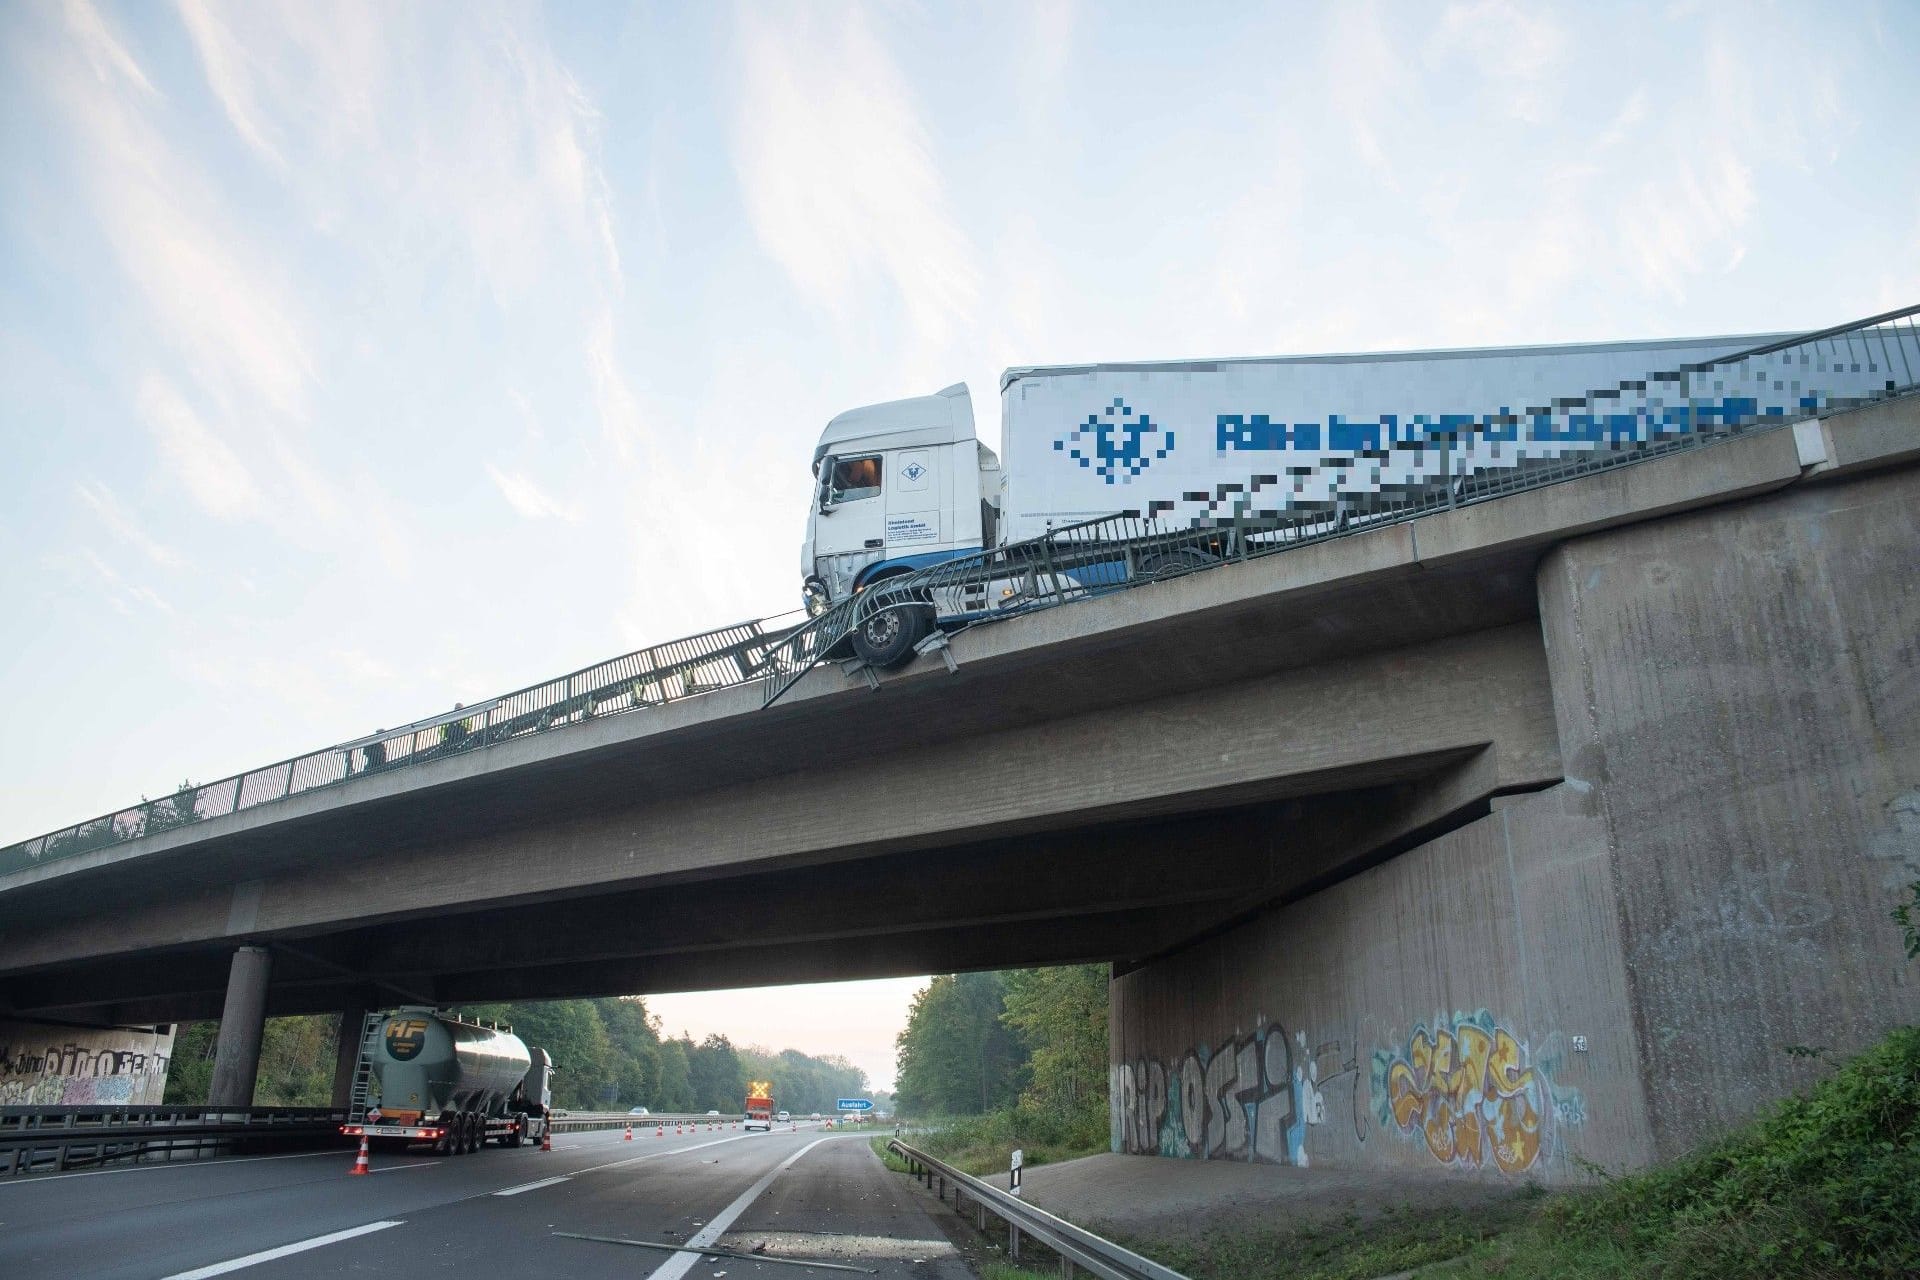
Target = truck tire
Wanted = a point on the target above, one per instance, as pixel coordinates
(1171, 564)
(887, 638)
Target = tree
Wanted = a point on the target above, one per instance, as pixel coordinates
(956, 1055)
(713, 1069)
(1061, 1016)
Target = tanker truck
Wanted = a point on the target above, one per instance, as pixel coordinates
(1245, 447)
(453, 1083)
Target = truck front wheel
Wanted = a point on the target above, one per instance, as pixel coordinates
(887, 638)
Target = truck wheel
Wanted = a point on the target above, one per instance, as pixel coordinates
(1171, 564)
(471, 1127)
(448, 1142)
(887, 638)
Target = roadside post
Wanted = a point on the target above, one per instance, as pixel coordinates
(1013, 1185)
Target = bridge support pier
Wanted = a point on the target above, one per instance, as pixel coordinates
(243, 1017)
(347, 1054)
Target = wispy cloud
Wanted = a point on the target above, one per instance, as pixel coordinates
(839, 175)
(214, 476)
(109, 511)
(230, 74)
(120, 594)
(526, 496)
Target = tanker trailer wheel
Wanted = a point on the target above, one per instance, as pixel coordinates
(448, 1143)
(470, 1127)
(1171, 564)
(887, 638)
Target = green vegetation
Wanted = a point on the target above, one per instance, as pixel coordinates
(1823, 1185)
(610, 1053)
(1005, 1060)
(1351, 1248)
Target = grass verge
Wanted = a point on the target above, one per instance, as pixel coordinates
(981, 1145)
(1352, 1248)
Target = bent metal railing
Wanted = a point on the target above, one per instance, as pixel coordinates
(1076, 1247)
(1447, 461)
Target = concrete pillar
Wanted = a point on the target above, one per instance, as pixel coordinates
(236, 1059)
(347, 1055)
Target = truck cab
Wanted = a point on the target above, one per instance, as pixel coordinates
(897, 487)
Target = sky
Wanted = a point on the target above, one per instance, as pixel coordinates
(357, 360)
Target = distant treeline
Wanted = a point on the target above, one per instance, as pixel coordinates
(1030, 1042)
(610, 1053)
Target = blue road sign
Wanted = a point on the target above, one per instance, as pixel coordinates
(855, 1104)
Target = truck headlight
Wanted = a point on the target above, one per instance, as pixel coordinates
(814, 596)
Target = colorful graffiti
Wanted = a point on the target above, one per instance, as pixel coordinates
(1251, 1097)
(131, 1069)
(1473, 1092)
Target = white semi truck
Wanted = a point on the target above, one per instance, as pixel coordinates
(1231, 444)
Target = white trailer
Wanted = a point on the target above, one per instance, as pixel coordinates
(1232, 443)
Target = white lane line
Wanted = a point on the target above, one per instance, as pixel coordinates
(681, 1263)
(268, 1255)
(534, 1186)
(658, 1155)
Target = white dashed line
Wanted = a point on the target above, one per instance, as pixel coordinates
(534, 1186)
(268, 1255)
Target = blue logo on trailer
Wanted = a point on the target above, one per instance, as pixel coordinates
(1117, 443)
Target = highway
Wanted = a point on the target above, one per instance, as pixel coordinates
(788, 1195)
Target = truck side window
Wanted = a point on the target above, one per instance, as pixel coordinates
(854, 479)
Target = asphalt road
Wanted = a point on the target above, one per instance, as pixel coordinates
(798, 1196)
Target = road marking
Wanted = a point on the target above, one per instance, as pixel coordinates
(657, 1155)
(534, 1186)
(681, 1263)
(268, 1255)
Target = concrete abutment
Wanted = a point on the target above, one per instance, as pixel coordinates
(1608, 971)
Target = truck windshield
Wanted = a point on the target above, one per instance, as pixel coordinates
(854, 479)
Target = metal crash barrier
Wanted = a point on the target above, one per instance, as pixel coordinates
(50, 1139)
(1076, 1247)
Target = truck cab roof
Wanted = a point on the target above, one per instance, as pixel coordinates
(945, 417)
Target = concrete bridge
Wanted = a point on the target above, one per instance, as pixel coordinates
(1519, 831)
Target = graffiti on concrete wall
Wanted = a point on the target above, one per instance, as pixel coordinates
(1251, 1097)
(1474, 1093)
(111, 1067)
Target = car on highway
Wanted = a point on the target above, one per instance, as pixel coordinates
(639, 1111)
(713, 1113)
(814, 1116)
(783, 1117)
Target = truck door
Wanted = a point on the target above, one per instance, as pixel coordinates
(850, 532)
(917, 501)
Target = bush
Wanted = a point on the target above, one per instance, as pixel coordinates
(1823, 1185)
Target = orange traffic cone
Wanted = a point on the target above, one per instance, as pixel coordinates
(546, 1137)
(360, 1161)
(661, 1132)
(629, 1137)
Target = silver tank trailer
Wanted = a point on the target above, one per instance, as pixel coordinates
(432, 1063)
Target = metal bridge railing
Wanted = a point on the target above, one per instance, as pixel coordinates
(665, 673)
(1446, 461)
